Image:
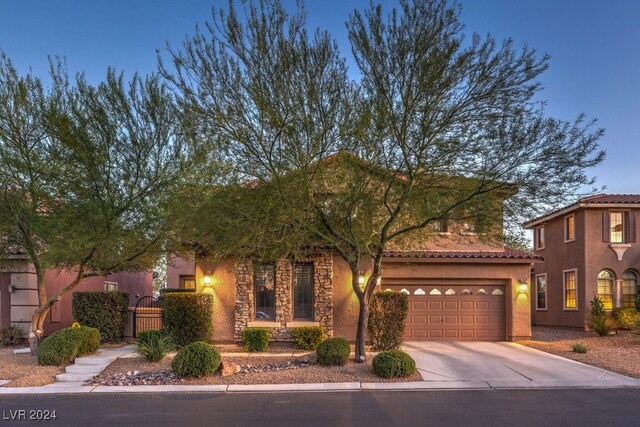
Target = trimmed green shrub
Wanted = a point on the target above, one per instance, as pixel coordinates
(154, 345)
(638, 302)
(597, 307)
(63, 346)
(256, 339)
(625, 317)
(387, 313)
(165, 291)
(187, 317)
(106, 311)
(11, 335)
(308, 337)
(333, 351)
(579, 348)
(601, 324)
(196, 360)
(393, 363)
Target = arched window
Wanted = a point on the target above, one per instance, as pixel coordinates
(629, 288)
(605, 288)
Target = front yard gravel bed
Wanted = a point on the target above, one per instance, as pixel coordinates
(617, 353)
(255, 370)
(23, 370)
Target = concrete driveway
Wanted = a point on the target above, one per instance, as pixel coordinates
(475, 364)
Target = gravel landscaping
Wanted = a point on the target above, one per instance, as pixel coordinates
(23, 370)
(254, 370)
(618, 353)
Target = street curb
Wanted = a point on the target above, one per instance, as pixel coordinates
(313, 387)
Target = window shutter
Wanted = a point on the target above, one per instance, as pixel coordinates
(632, 227)
(606, 227)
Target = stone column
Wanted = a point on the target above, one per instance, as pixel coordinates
(323, 292)
(244, 297)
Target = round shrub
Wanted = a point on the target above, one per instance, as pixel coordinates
(63, 346)
(196, 360)
(393, 363)
(333, 351)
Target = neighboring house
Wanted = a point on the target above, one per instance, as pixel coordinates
(590, 248)
(459, 289)
(19, 298)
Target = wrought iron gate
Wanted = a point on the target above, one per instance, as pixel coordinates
(147, 315)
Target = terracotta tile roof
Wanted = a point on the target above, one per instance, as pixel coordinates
(507, 253)
(596, 199)
(612, 199)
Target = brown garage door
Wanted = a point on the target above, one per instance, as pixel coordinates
(455, 312)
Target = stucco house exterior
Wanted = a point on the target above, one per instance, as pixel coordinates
(459, 289)
(19, 299)
(590, 248)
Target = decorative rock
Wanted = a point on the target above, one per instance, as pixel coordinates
(229, 368)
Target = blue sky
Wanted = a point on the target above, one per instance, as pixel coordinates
(594, 48)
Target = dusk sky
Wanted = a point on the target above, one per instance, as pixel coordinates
(594, 48)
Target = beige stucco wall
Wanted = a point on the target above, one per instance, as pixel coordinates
(223, 290)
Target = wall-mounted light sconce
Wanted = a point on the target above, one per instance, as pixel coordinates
(523, 287)
(361, 279)
(207, 278)
(10, 288)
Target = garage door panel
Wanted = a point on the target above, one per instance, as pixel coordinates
(465, 313)
(435, 305)
(466, 305)
(419, 305)
(419, 320)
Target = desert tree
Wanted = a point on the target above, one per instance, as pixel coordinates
(85, 173)
(434, 127)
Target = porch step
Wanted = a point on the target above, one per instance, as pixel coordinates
(85, 369)
(95, 360)
(67, 377)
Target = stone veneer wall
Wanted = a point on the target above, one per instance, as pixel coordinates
(322, 297)
(244, 311)
(323, 292)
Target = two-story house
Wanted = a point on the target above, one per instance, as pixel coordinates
(460, 285)
(590, 248)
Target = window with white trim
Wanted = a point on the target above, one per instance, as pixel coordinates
(570, 288)
(605, 288)
(629, 288)
(110, 286)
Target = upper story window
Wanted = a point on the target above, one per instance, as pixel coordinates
(618, 227)
(539, 238)
(264, 280)
(570, 228)
(110, 286)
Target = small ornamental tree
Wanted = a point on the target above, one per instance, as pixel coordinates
(85, 172)
(388, 312)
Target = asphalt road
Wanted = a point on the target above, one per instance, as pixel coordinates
(613, 407)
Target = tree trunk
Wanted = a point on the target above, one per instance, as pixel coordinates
(37, 320)
(361, 332)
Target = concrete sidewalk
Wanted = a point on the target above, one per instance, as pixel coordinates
(443, 366)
